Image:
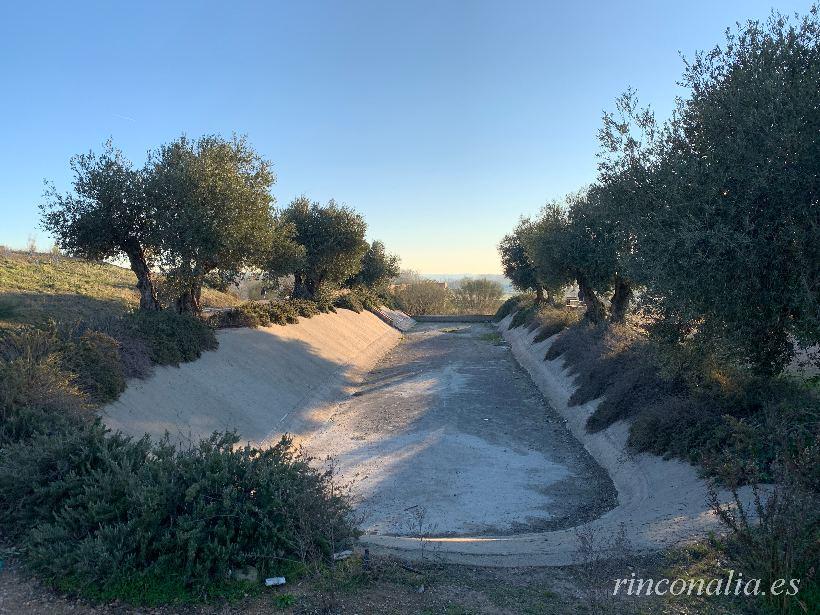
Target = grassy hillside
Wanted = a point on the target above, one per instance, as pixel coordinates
(38, 287)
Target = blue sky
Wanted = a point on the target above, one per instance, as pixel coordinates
(442, 122)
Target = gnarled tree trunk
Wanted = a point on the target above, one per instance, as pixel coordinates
(595, 309)
(621, 299)
(145, 283)
(190, 302)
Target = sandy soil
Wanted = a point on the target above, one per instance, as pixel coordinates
(448, 436)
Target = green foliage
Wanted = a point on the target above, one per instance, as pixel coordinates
(424, 297)
(94, 359)
(36, 394)
(776, 537)
(172, 338)
(264, 313)
(551, 320)
(212, 209)
(333, 239)
(525, 315)
(378, 268)
(477, 296)
(509, 306)
(111, 517)
(725, 216)
(305, 307)
(349, 301)
(516, 259)
(107, 215)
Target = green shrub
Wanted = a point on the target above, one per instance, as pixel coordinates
(172, 338)
(778, 536)
(250, 314)
(349, 301)
(111, 517)
(36, 394)
(305, 307)
(108, 516)
(94, 359)
(508, 307)
(524, 316)
(551, 320)
(283, 313)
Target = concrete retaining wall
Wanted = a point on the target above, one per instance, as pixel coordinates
(454, 318)
(261, 382)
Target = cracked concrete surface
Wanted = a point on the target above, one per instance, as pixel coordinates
(448, 436)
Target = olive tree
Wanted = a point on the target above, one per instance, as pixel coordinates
(106, 216)
(733, 249)
(516, 261)
(213, 210)
(477, 296)
(424, 297)
(557, 247)
(378, 267)
(333, 239)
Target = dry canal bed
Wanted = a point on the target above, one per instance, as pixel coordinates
(448, 436)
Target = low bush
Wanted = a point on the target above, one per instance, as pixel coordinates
(172, 338)
(250, 314)
(94, 359)
(778, 536)
(305, 307)
(525, 315)
(509, 306)
(263, 313)
(111, 517)
(36, 394)
(551, 320)
(349, 301)
(283, 313)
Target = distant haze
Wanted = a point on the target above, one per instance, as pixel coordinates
(453, 278)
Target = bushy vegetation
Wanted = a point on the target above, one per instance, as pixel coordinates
(111, 517)
(711, 220)
(509, 306)
(420, 296)
(350, 301)
(264, 313)
(200, 212)
(172, 338)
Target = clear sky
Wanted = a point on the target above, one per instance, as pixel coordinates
(442, 122)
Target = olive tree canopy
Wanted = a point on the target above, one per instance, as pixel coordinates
(333, 239)
(213, 211)
(106, 216)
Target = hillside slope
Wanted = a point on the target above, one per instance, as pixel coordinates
(37, 287)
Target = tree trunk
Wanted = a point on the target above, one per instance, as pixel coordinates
(621, 299)
(145, 285)
(300, 290)
(595, 309)
(190, 302)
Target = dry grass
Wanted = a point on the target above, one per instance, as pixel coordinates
(36, 288)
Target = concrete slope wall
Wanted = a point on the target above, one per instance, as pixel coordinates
(661, 503)
(262, 382)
